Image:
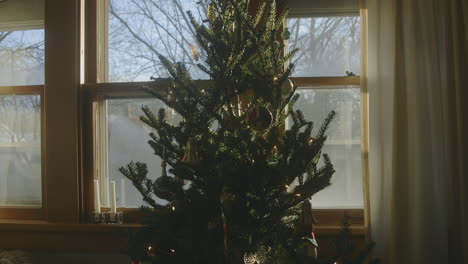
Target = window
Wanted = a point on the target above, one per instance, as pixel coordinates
(328, 35)
(123, 124)
(21, 88)
(40, 131)
(20, 150)
(136, 32)
(330, 45)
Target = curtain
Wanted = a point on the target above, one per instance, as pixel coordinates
(417, 84)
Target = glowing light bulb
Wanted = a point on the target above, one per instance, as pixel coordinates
(203, 91)
(298, 194)
(275, 78)
(172, 250)
(275, 149)
(173, 208)
(150, 251)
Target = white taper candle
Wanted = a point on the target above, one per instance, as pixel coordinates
(123, 198)
(113, 199)
(107, 196)
(97, 197)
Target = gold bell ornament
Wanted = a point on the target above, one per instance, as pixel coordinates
(191, 153)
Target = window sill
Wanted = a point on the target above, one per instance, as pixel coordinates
(331, 230)
(41, 235)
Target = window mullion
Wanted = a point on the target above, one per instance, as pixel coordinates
(326, 81)
(26, 89)
(103, 41)
(61, 103)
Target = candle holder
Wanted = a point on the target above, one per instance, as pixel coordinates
(113, 218)
(97, 218)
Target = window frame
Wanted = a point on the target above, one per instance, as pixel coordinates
(60, 171)
(99, 89)
(322, 82)
(343, 82)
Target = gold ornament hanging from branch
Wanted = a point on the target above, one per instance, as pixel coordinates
(163, 167)
(191, 153)
(194, 51)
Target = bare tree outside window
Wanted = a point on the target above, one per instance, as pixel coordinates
(140, 29)
(3, 35)
(328, 46)
(22, 57)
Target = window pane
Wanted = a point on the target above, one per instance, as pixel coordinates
(138, 30)
(22, 57)
(343, 143)
(127, 141)
(328, 46)
(20, 150)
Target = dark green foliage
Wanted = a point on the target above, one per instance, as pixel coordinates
(233, 200)
(345, 251)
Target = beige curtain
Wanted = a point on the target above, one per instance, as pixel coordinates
(417, 83)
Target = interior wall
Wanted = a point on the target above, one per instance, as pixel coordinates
(21, 14)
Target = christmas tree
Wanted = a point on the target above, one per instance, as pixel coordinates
(239, 178)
